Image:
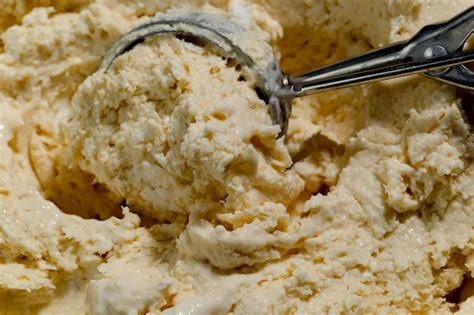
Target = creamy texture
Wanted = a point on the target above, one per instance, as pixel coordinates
(182, 133)
(160, 186)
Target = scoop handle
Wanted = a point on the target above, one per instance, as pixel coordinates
(436, 51)
(389, 72)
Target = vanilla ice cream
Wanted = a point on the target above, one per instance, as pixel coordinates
(160, 186)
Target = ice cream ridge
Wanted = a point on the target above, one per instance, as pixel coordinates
(160, 186)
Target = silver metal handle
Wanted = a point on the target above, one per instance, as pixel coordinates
(433, 48)
(318, 84)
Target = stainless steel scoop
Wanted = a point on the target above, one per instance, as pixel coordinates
(435, 51)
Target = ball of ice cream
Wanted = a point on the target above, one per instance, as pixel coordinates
(178, 129)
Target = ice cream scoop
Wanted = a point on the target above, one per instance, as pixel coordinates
(436, 51)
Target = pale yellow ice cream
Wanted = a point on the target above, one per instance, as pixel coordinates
(180, 132)
(160, 186)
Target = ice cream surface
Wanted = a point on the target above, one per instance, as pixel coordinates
(160, 186)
